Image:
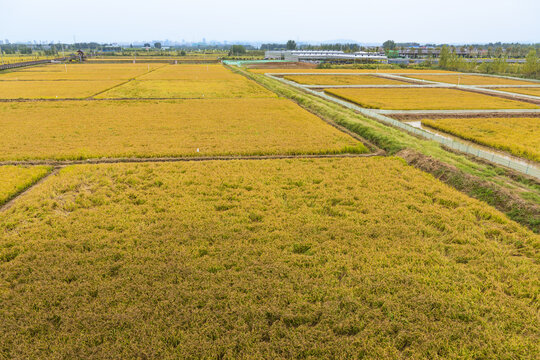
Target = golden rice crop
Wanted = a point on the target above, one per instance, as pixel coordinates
(192, 72)
(327, 258)
(53, 89)
(471, 80)
(425, 99)
(70, 130)
(16, 58)
(390, 71)
(208, 89)
(80, 72)
(519, 136)
(534, 91)
(342, 80)
(14, 179)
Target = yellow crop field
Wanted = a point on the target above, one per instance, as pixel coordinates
(80, 72)
(342, 80)
(322, 71)
(53, 89)
(327, 258)
(16, 58)
(208, 89)
(471, 80)
(192, 72)
(534, 91)
(72, 130)
(519, 136)
(425, 99)
(14, 179)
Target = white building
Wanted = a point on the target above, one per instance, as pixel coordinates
(322, 55)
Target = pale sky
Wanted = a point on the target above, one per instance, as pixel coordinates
(451, 21)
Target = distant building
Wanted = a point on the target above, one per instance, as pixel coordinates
(323, 55)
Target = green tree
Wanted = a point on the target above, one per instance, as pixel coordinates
(237, 50)
(531, 66)
(291, 45)
(444, 57)
(157, 45)
(389, 45)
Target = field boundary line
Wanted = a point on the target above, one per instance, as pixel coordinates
(62, 163)
(125, 82)
(421, 83)
(459, 112)
(11, 201)
(462, 147)
(332, 123)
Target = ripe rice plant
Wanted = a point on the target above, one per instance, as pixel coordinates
(471, 80)
(14, 179)
(207, 89)
(90, 129)
(534, 91)
(80, 72)
(342, 80)
(327, 258)
(193, 72)
(77, 89)
(425, 99)
(519, 136)
(390, 71)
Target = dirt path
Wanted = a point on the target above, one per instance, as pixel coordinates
(184, 159)
(11, 201)
(380, 115)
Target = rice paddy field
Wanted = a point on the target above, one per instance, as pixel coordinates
(425, 99)
(77, 89)
(263, 259)
(534, 91)
(80, 72)
(14, 179)
(342, 80)
(472, 80)
(17, 58)
(94, 129)
(208, 89)
(322, 71)
(191, 72)
(152, 256)
(518, 136)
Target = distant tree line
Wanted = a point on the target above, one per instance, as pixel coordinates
(449, 60)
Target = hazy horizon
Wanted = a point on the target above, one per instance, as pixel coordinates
(241, 21)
